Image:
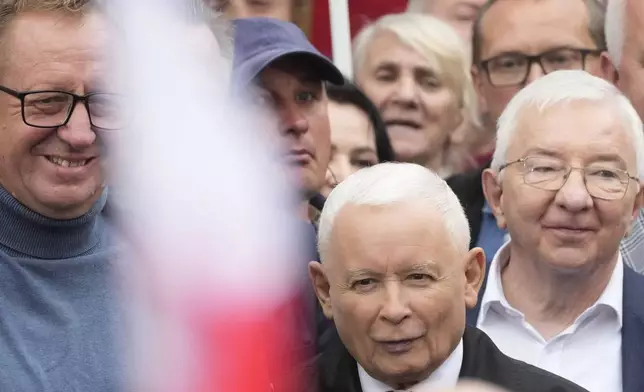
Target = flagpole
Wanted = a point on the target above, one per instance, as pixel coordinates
(341, 36)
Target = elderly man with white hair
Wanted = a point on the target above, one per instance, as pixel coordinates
(396, 277)
(564, 181)
(623, 65)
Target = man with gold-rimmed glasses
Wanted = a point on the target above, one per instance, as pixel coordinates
(551, 174)
(565, 183)
(514, 43)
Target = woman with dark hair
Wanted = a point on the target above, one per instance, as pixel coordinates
(358, 134)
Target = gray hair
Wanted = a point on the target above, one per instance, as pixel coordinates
(218, 24)
(389, 183)
(561, 87)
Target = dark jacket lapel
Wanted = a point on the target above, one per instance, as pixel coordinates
(469, 190)
(633, 332)
(337, 370)
(482, 360)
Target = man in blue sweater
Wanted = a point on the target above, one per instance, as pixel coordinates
(57, 306)
(59, 311)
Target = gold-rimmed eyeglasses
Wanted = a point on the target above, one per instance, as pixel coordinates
(550, 173)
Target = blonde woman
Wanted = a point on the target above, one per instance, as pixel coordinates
(415, 68)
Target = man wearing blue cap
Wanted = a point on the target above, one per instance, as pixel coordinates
(290, 73)
(275, 62)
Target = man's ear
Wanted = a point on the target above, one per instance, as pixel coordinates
(493, 194)
(474, 275)
(608, 69)
(321, 287)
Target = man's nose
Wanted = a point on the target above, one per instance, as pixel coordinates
(78, 132)
(573, 195)
(396, 306)
(406, 91)
(293, 121)
(534, 72)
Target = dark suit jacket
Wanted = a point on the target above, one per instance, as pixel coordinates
(321, 324)
(337, 371)
(632, 329)
(469, 190)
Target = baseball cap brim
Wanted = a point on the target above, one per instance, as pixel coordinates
(321, 66)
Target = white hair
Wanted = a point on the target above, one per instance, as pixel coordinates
(561, 87)
(217, 23)
(615, 29)
(389, 183)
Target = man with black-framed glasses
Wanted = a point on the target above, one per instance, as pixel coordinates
(62, 324)
(49, 109)
(515, 42)
(565, 183)
(57, 306)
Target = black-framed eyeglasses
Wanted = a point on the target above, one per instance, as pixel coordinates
(512, 69)
(550, 173)
(51, 108)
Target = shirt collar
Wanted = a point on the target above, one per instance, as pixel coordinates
(446, 376)
(611, 297)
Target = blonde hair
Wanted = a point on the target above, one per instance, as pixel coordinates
(10, 8)
(437, 42)
(13, 7)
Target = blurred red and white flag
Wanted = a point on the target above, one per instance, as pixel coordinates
(215, 266)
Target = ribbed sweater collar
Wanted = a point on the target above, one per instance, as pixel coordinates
(25, 233)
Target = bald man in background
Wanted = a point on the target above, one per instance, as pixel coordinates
(460, 14)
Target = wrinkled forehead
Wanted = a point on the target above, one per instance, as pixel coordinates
(592, 130)
(384, 40)
(533, 26)
(34, 39)
(426, 57)
(55, 30)
(392, 235)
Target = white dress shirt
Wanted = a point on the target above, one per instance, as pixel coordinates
(587, 353)
(446, 376)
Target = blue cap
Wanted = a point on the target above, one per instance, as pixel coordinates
(261, 41)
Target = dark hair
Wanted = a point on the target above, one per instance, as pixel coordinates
(349, 93)
(595, 9)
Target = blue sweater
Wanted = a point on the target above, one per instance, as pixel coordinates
(57, 306)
